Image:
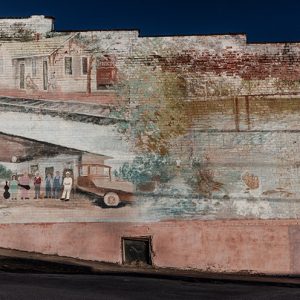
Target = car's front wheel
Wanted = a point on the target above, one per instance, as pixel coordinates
(111, 199)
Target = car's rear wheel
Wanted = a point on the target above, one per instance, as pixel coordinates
(111, 199)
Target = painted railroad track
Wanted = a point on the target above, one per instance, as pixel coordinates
(76, 111)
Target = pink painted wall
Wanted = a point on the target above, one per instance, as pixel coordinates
(257, 246)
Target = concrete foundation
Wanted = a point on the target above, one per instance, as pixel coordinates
(255, 246)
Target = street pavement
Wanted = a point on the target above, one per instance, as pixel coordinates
(32, 276)
(61, 286)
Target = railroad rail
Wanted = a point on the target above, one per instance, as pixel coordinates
(76, 111)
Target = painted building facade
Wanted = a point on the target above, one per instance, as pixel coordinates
(202, 130)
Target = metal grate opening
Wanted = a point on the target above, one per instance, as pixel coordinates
(137, 251)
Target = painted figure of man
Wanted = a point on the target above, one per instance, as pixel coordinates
(37, 185)
(13, 185)
(67, 183)
(24, 180)
(52, 82)
(57, 182)
(49, 184)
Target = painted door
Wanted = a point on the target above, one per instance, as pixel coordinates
(22, 76)
(45, 75)
(49, 170)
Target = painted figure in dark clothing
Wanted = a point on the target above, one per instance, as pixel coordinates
(49, 184)
(57, 183)
(37, 185)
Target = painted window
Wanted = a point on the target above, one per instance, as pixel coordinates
(84, 171)
(84, 65)
(34, 169)
(93, 170)
(49, 170)
(1, 65)
(22, 75)
(33, 67)
(68, 66)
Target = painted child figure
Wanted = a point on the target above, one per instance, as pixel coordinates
(49, 184)
(13, 185)
(37, 185)
(67, 183)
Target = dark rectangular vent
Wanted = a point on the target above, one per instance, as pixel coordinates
(137, 251)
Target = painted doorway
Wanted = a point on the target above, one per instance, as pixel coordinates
(22, 76)
(49, 170)
(45, 75)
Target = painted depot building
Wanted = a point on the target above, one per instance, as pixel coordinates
(88, 170)
(71, 64)
(202, 131)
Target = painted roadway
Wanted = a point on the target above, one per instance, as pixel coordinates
(80, 208)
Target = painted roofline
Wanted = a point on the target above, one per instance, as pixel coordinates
(184, 35)
(43, 55)
(97, 30)
(52, 145)
(196, 34)
(279, 42)
(28, 17)
(150, 36)
(68, 39)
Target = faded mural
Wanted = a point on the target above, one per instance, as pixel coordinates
(111, 126)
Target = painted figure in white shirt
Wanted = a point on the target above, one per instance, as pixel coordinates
(67, 183)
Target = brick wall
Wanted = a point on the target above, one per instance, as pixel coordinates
(25, 28)
(216, 66)
(241, 112)
(236, 104)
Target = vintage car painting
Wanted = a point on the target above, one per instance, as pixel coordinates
(96, 179)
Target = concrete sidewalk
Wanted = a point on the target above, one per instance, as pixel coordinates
(29, 262)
